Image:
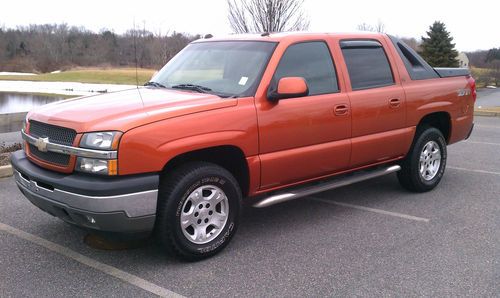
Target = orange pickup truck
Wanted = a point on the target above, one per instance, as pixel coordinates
(268, 118)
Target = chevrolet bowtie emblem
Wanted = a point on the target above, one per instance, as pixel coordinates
(41, 144)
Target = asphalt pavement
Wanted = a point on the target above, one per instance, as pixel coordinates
(369, 239)
(488, 98)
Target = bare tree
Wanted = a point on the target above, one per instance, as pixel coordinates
(247, 16)
(379, 27)
(365, 27)
(49, 47)
(412, 42)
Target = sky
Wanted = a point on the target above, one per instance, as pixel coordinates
(473, 24)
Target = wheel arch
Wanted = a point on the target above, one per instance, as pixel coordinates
(230, 157)
(440, 120)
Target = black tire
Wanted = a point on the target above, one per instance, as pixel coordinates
(409, 176)
(175, 189)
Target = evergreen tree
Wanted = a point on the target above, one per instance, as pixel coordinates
(437, 48)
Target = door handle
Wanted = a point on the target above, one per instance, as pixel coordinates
(341, 110)
(395, 103)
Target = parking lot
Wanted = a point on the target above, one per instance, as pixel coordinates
(369, 239)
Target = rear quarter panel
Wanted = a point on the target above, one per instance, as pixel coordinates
(424, 97)
(441, 95)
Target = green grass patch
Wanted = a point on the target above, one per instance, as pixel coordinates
(125, 76)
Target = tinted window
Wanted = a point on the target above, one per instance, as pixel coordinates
(417, 68)
(312, 61)
(367, 65)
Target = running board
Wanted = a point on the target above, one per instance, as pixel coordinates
(324, 186)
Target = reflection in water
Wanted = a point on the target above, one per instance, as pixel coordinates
(22, 102)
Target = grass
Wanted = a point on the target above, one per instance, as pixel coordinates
(489, 109)
(483, 76)
(125, 76)
(480, 71)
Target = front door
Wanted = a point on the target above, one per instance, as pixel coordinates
(306, 137)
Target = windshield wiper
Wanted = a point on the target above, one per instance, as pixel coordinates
(154, 84)
(192, 87)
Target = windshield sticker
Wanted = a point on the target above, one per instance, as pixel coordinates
(243, 81)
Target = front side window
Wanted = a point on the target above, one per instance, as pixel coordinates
(225, 68)
(311, 61)
(367, 64)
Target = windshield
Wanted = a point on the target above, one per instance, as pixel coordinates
(225, 68)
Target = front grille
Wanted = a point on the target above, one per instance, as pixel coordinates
(52, 157)
(56, 134)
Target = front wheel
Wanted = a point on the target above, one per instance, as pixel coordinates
(198, 210)
(424, 166)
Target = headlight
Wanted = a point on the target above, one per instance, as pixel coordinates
(106, 140)
(97, 166)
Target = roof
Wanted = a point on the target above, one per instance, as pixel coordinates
(280, 36)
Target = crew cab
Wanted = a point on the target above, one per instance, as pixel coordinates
(262, 118)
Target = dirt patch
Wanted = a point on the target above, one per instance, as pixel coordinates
(5, 153)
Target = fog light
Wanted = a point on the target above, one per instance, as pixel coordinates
(97, 166)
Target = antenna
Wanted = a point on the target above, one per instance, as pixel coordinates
(136, 64)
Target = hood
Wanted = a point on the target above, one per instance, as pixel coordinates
(126, 109)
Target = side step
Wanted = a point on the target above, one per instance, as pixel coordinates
(296, 193)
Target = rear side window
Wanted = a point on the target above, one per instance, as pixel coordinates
(367, 64)
(313, 62)
(416, 66)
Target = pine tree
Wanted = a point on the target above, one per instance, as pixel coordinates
(438, 49)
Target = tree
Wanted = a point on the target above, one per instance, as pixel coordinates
(49, 47)
(247, 16)
(437, 48)
(493, 54)
(412, 42)
(379, 27)
(493, 58)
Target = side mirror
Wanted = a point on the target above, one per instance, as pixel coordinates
(288, 87)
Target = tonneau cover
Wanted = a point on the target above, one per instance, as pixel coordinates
(446, 72)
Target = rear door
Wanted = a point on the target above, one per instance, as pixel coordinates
(377, 102)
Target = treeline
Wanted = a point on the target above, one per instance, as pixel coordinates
(46, 48)
(50, 47)
(485, 59)
(487, 65)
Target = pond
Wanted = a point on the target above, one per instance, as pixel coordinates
(23, 102)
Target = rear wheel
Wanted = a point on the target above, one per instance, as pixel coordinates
(424, 166)
(198, 210)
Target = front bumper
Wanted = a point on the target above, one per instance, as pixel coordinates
(109, 204)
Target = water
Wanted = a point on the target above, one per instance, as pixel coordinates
(23, 102)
